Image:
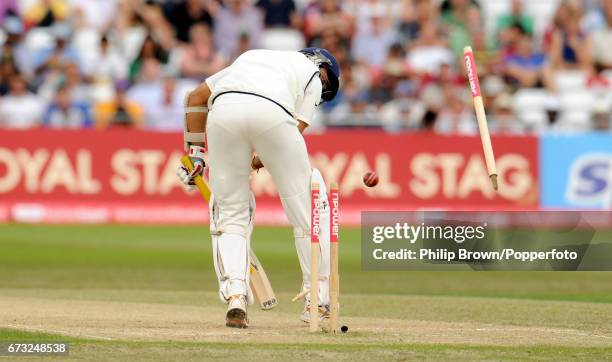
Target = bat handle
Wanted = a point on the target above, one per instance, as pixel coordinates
(198, 180)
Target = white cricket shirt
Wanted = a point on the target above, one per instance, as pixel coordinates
(287, 78)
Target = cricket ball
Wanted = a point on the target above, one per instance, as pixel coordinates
(370, 179)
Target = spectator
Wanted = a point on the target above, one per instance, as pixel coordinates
(66, 113)
(244, 44)
(429, 51)
(528, 68)
(594, 15)
(428, 121)
(80, 89)
(455, 117)
(13, 50)
(415, 18)
(199, 58)
(395, 68)
(355, 111)
(110, 63)
(7, 8)
(145, 90)
(570, 47)
(280, 13)
(372, 47)
(444, 76)
(161, 30)
(70, 76)
(502, 119)
(385, 80)
(486, 55)
(363, 10)
(7, 71)
(161, 96)
(509, 38)
(120, 111)
(168, 113)
(461, 18)
(403, 111)
(54, 58)
(166, 108)
(380, 91)
(46, 12)
(327, 15)
(95, 14)
(20, 108)
(188, 13)
(129, 31)
(233, 22)
(602, 41)
(559, 20)
(331, 41)
(150, 50)
(456, 11)
(518, 16)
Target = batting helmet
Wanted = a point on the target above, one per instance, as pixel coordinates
(323, 58)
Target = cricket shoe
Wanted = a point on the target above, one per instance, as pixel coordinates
(236, 316)
(323, 312)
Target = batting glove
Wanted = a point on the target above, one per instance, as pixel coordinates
(196, 154)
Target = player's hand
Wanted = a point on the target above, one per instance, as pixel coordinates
(256, 163)
(196, 154)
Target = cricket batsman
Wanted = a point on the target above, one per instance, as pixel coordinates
(248, 115)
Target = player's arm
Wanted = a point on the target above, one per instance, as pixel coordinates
(302, 126)
(305, 106)
(196, 113)
(194, 136)
(196, 110)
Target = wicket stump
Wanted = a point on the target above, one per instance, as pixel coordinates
(334, 278)
(481, 116)
(315, 220)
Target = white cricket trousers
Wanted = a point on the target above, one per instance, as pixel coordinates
(237, 126)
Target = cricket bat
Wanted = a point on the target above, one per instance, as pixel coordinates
(258, 280)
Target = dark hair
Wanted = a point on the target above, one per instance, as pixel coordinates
(516, 25)
(429, 119)
(160, 54)
(447, 6)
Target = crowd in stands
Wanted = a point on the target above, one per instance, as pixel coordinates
(128, 63)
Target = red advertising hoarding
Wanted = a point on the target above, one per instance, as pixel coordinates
(129, 176)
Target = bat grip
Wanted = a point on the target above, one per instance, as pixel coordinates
(198, 180)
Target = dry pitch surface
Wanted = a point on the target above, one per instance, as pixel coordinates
(584, 329)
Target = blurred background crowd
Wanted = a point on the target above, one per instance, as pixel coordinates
(545, 65)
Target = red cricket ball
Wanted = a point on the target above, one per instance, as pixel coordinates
(370, 179)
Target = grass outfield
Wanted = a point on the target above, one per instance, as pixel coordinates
(189, 351)
(143, 292)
